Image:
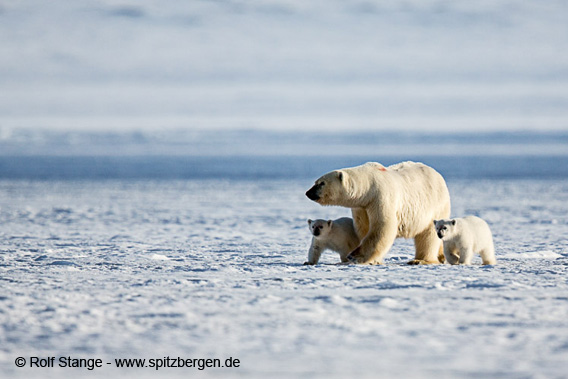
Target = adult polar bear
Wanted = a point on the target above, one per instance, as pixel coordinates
(401, 200)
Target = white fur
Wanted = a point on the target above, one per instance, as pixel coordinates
(463, 237)
(401, 200)
(337, 235)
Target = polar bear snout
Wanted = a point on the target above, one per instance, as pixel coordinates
(313, 193)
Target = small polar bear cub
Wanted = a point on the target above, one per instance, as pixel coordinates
(336, 235)
(462, 237)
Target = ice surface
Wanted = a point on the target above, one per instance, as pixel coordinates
(213, 269)
(152, 179)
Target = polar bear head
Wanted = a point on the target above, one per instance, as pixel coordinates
(320, 228)
(334, 188)
(445, 229)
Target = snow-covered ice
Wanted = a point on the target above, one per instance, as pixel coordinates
(213, 269)
(144, 214)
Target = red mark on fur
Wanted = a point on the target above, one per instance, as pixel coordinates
(382, 169)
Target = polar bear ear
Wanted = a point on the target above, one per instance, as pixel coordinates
(453, 222)
(309, 222)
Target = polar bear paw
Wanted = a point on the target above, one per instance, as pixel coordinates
(356, 257)
(416, 262)
(360, 260)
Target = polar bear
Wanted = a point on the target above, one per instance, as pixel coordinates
(462, 237)
(336, 235)
(401, 200)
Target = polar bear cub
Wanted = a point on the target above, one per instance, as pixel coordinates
(462, 237)
(336, 235)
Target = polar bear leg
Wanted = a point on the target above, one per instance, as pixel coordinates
(488, 256)
(441, 255)
(452, 255)
(444, 214)
(314, 253)
(360, 222)
(427, 245)
(466, 255)
(374, 247)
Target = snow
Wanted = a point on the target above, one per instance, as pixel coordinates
(154, 158)
(213, 269)
(545, 254)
